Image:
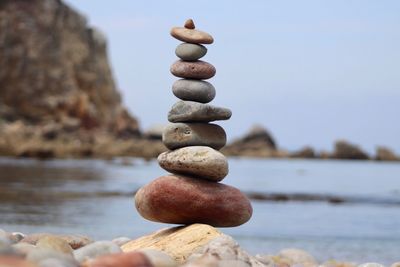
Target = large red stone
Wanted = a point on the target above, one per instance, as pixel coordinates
(130, 259)
(183, 200)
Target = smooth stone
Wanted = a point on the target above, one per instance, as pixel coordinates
(371, 264)
(191, 36)
(39, 255)
(5, 246)
(15, 237)
(189, 111)
(8, 261)
(178, 242)
(190, 52)
(121, 240)
(52, 262)
(24, 248)
(55, 243)
(189, 24)
(96, 249)
(184, 200)
(200, 70)
(159, 258)
(75, 241)
(226, 250)
(177, 135)
(194, 90)
(298, 256)
(131, 259)
(199, 161)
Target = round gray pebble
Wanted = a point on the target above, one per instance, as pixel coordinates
(190, 52)
(194, 90)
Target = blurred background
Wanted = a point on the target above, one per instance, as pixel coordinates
(85, 90)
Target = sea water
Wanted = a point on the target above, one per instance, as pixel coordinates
(95, 198)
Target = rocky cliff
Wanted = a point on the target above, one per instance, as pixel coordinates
(54, 67)
(58, 97)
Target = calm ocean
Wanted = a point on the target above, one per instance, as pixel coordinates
(342, 210)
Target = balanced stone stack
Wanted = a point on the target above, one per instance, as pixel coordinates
(192, 192)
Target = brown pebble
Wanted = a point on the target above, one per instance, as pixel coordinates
(193, 70)
(189, 24)
(7, 261)
(130, 259)
(191, 36)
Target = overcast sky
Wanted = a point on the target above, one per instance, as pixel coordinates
(309, 71)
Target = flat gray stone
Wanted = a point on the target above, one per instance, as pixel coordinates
(194, 90)
(189, 111)
(198, 161)
(177, 135)
(190, 52)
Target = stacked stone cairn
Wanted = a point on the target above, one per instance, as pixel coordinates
(192, 192)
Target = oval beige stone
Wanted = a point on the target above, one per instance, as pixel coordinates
(184, 200)
(191, 35)
(199, 161)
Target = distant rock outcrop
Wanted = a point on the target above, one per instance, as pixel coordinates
(385, 154)
(54, 68)
(345, 150)
(258, 142)
(306, 152)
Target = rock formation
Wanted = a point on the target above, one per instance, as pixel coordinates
(58, 97)
(54, 67)
(192, 193)
(258, 142)
(345, 150)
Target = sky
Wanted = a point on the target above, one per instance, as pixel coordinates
(309, 71)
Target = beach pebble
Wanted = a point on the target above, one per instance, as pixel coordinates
(190, 52)
(228, 253)
(23, 248)
(75, 241)
(159, 258)
(5, 246)
(130, 259)
(334, 263)
(371, 264)
(54, 243)
(177, 135)
(189, 24)
(198, 161)
(189, 111)
(193, 69)
(183, 200)
(298, 256)
(96, 249)
(194, 90)
(15, 237)
(52, 262)
(121, 240)
(7, 261)
(191, 35)
(39, 255)
(396, 264)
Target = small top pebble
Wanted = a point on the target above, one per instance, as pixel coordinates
(189, 24)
